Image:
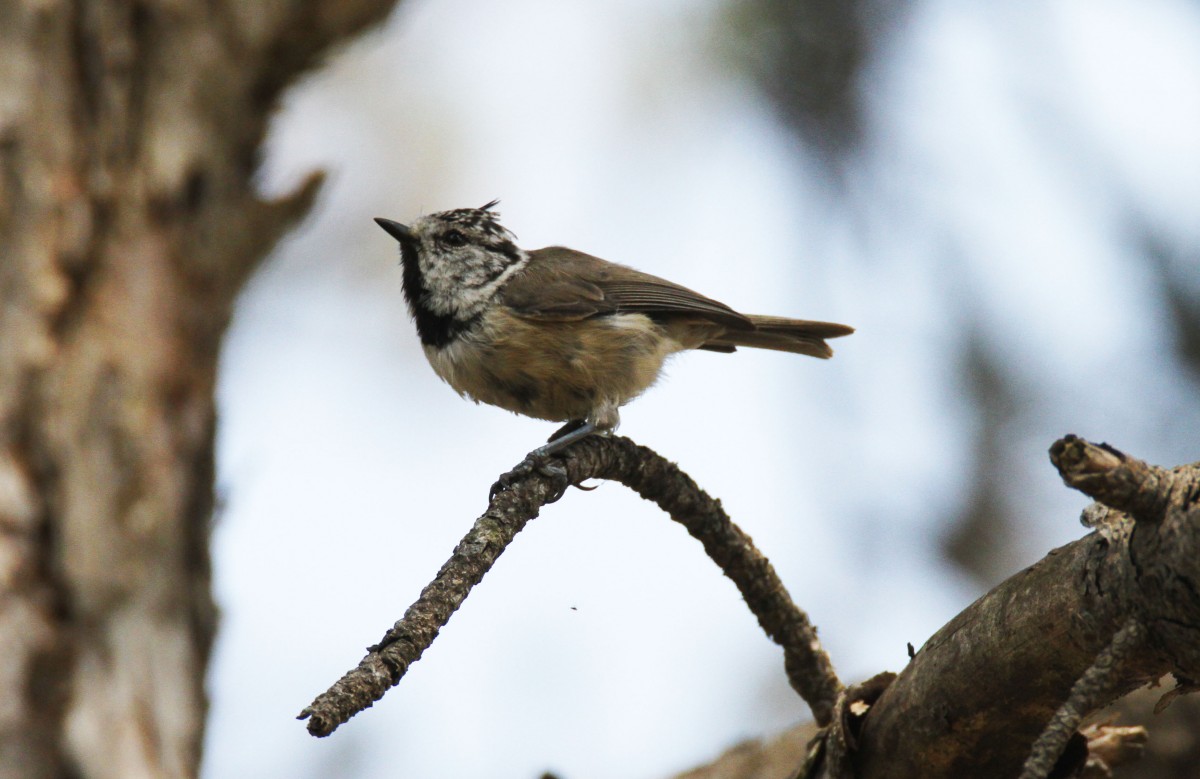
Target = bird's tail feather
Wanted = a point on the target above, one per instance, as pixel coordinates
(784, 335)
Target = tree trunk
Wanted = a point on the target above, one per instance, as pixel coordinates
(129, 135)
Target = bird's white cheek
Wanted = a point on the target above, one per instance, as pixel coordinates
(464, 287)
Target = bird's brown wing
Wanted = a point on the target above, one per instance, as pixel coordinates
(563, 284)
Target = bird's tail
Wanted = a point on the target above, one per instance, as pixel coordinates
(784, 335)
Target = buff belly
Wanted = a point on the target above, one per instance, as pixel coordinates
(557, 371)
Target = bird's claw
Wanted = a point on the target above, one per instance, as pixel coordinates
(543, 465)
(506, 480)
(561, 481)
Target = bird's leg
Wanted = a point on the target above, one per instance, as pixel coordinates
(570, 427)
(539, 459)
(565, 436)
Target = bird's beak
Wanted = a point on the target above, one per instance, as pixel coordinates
(395, 229)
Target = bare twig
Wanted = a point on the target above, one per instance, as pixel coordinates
(654, 478)
(1113, 478)
(387, 661)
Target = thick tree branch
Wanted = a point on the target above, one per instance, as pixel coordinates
(655, 479)
(1093, 620)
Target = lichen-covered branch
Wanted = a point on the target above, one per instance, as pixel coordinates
(387, 662)
(652, 477)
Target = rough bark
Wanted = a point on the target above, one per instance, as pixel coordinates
(1093, 620)
(1171, 751)
(129, 135)
(977, 694)
(1110, 612)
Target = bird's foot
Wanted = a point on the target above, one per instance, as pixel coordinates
(540, 460)
(535, 461)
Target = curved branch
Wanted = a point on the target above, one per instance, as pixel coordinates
(654, 478)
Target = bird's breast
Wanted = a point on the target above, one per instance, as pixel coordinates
(554, 370)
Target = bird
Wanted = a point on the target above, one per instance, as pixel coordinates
(557, 334)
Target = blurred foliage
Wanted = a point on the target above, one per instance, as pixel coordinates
(981, 540)
(1179, 275)
(808, 57)
(811, 59)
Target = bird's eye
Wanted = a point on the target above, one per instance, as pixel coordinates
(453, 238)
